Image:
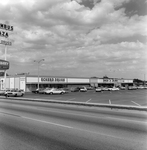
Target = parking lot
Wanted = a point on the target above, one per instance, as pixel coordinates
(121, 97)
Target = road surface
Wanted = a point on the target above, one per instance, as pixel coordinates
(43, 126)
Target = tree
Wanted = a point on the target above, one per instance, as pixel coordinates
(138, 82)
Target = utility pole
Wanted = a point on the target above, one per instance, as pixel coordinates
(38, 62)
(5, 72)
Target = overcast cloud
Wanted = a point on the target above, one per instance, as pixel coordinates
(78, 38)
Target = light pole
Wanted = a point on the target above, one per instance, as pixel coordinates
(38, 62)
(144, 80)
(5, 72)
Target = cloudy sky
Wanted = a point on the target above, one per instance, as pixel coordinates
(77, 38)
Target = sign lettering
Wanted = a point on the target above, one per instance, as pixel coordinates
(6, 27)
(4, 65)
(4, 34)
(52, 79)
(6, 42)
(110, 80)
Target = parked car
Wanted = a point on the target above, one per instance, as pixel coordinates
(65, 90)
(98, 89)
(14, 93)
(76, 89)
(104, 89)
(37, 90)
(122, 88)
(90, 88)
(83, 89)
(110, 89)
(2, 92)
(115, 89)
(132, 88)
(54, 91)
(42, 91)
(141, 87)
(22, 91)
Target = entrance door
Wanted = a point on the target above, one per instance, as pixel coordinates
(22, 83)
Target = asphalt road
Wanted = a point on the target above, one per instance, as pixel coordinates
(43, 126)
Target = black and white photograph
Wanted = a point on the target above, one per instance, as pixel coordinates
(73, 74)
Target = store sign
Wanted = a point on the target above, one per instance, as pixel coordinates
(110, 80)
(44, 79)
(5, 42)
(4, 28)
(4, 65)
(4, 34)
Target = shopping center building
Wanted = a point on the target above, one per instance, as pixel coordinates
(30, 82)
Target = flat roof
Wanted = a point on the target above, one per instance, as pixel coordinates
(28, 75)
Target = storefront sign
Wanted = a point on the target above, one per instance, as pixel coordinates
(110, 80)
(6, 27)
(5, 42)
(4, 34)
(4, 65)
(44, 79)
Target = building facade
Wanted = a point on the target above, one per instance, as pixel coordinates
(29, 82)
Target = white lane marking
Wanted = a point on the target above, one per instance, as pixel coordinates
(85, 115)
(97, 117)
(135, 103)
(88, 101)
(52, 123)
(71, 99)
(70, 127)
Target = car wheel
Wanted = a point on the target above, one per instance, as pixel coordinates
(61, 93)
(15, 95)
(22, 95)
(51, 93)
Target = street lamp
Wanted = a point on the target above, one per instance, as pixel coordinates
(5, 72)
(38, 69)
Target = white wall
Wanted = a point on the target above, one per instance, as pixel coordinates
(100, 80)
(22, 83)
(32, 79)
(11, 83)
(128, 81)
(77, 80)
(8, 83)
(17, 83)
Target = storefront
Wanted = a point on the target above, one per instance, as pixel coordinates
(29, 82)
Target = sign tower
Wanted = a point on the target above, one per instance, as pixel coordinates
(4, 40)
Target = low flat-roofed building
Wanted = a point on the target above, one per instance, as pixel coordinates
(30, 82)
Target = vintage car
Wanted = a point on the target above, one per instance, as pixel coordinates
(54, 91)
(98, 89)
(75, 89)
(42, 91)
(14, 93)
(83, 89)
(115, 89)
(2, 92)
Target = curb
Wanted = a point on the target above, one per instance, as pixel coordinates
(112, 106)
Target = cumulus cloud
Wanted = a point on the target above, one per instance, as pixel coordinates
(70, 35)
